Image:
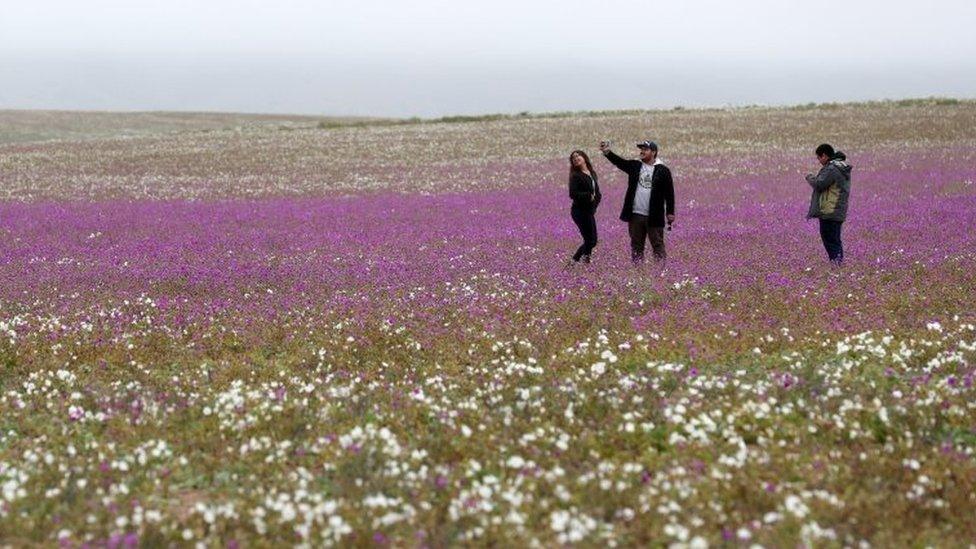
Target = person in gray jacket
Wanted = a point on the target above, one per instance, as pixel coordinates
(828, 202)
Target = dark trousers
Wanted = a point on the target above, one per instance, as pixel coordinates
(586, 222)
(830, 234)
(639, 232)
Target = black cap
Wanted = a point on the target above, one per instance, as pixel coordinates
(647, 145)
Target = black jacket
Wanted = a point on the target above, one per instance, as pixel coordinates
(581, 191)
(662, 190)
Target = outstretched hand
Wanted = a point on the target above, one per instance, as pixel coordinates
(604, 147)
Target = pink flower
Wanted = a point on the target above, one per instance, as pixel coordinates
(75, 413)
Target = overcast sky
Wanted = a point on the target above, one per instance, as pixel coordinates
(434, 57)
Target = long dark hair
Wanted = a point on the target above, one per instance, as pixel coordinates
(586, 159)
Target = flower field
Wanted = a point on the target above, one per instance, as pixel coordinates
(368, 336)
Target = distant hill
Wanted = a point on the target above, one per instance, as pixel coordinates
(23, 126)
(20, 126)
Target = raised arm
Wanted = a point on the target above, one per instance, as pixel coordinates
(616, 160)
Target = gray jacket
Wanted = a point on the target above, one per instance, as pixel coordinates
(831, 188)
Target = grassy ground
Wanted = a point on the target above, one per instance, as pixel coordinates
(295, 333)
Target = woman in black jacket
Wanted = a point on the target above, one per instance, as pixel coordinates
(585, 192)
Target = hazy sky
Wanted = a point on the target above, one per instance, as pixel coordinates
(434, 57)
